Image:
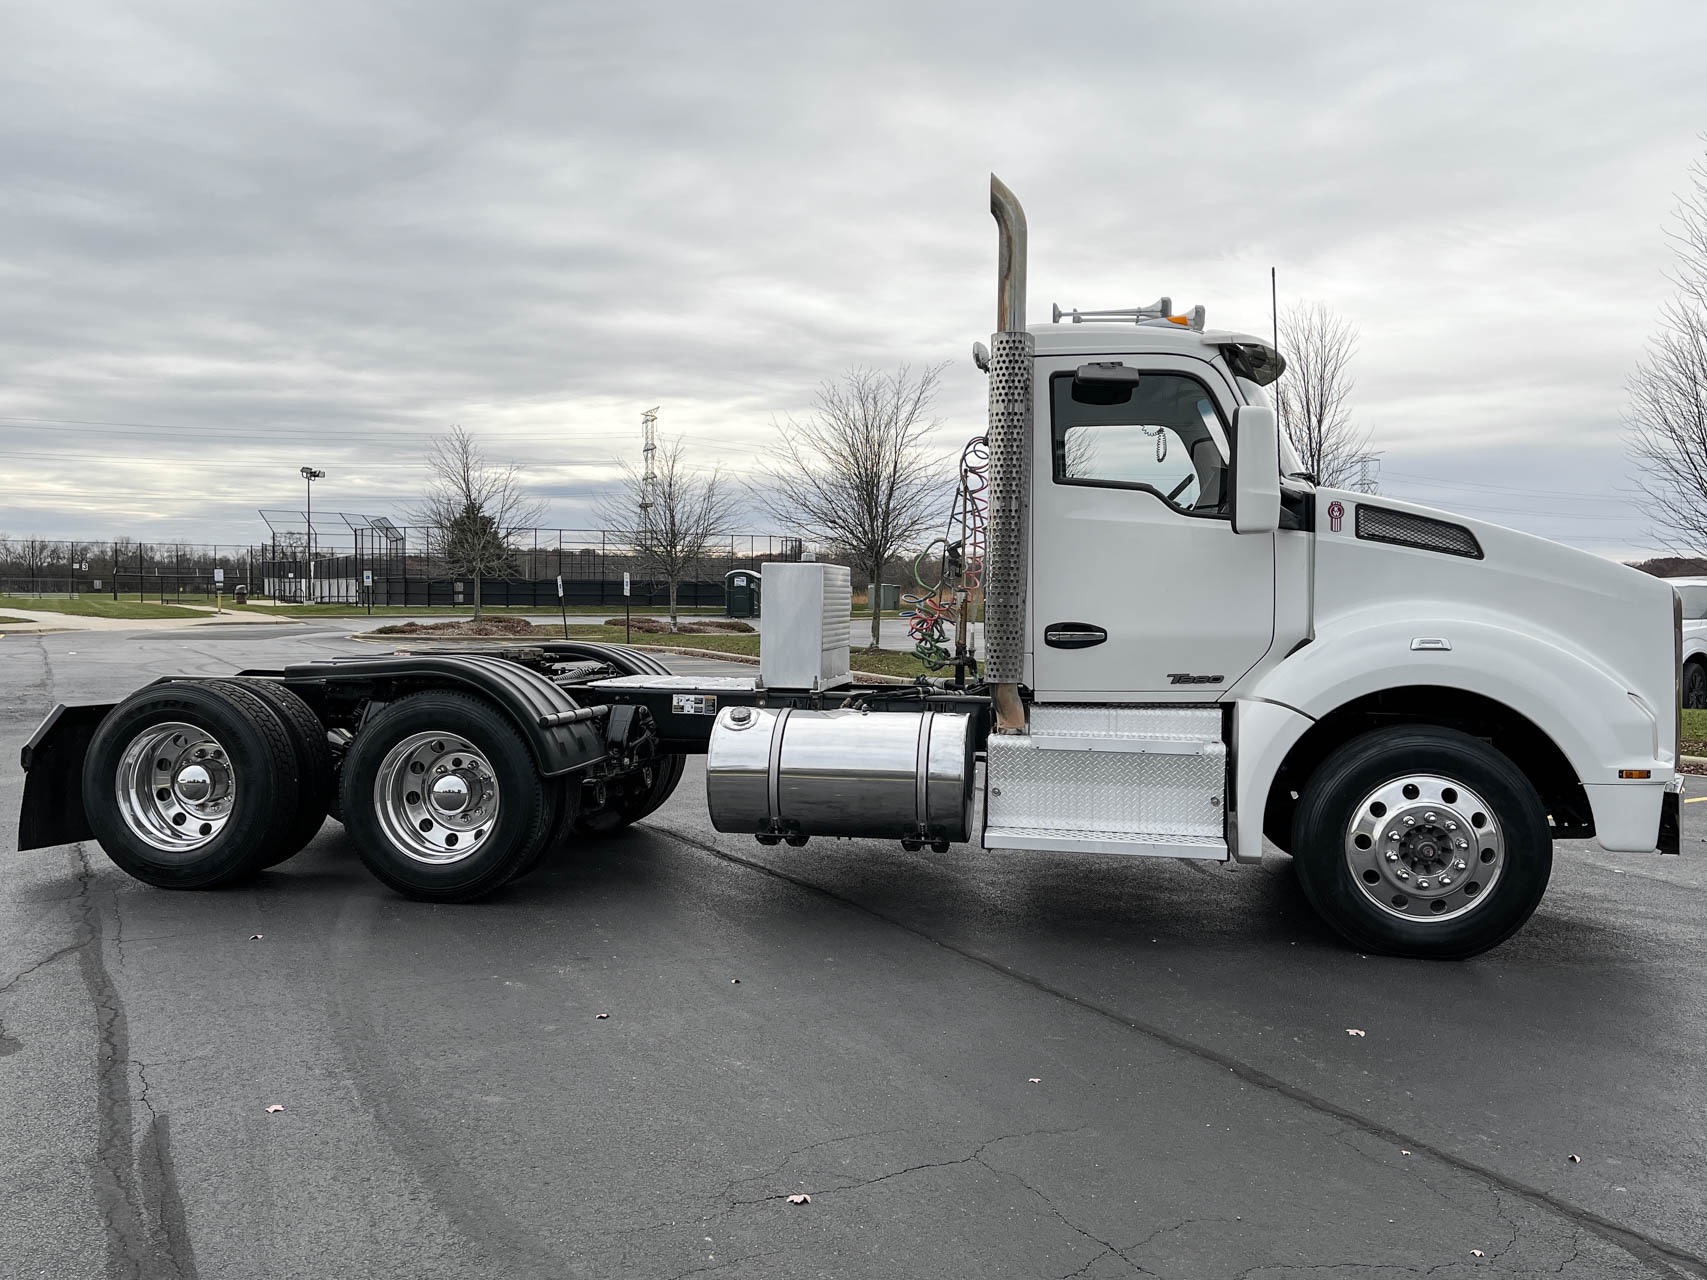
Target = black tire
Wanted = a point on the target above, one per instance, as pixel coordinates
(525, 803)
(1375, 878)
(629, 799)
(335, 803)
(564, 831)
(259, 761)
(1695, 685)
(315, 779)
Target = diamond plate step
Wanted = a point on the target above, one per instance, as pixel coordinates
(1039, 795)
(1104, 842)
(1159, 730)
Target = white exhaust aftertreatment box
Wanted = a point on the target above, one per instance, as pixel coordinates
(805, 625)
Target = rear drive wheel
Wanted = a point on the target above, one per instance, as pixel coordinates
(443, 798)
(630, 798)
(315, 778)
(564, 829)
(185, 784)
(1422, 841)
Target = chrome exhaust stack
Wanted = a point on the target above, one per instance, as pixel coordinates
(1008, 553)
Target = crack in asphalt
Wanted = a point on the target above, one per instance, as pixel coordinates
(976, 1156)
(1665, 1258)
(780, 1165)
(60, 954)
(137, 1249)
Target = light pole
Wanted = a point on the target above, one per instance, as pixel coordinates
(309, 476)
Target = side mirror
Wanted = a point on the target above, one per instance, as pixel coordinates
(1256, 470)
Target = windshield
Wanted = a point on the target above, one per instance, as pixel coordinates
(1289, 461)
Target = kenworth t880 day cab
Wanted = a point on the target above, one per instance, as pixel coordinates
(1189, 647)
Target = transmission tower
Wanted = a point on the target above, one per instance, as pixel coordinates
(649, 433)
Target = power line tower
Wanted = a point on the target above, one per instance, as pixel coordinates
(649, 433)
(1368, 473)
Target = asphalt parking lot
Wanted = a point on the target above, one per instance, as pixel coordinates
(976, 1064)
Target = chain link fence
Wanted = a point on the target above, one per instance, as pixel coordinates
(374, 562)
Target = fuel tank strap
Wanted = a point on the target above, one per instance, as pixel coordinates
(773, 782)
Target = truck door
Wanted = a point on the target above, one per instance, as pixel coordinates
(1140, 589)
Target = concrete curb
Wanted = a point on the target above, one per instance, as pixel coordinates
(1701, 760)
(716, 655)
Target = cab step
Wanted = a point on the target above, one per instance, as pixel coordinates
(1144, 781)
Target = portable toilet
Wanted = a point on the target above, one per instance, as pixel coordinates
(741, 593)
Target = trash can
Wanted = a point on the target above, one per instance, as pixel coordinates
(241, 594)
(741, 593)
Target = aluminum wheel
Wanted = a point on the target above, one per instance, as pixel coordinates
(175, 787)
(436, 797)
(1425, 848)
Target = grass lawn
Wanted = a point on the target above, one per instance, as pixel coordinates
(3, 621)
(882, 662)
(452, 611)
(1694, 732)
(464, 611)
(96, 607)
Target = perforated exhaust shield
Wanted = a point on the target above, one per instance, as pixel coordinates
(1007, 555)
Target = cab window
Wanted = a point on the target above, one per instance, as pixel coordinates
(1153, 435)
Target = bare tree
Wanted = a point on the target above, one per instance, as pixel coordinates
(473, 509)
(37, 555)
(858, 472)
(672, 522)
(1314, 393)
(1667, 418)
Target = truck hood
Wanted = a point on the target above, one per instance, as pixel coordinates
(1433, 567)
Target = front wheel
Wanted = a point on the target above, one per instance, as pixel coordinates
(1422, 841)
(443, 798)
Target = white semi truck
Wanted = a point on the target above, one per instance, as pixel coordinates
(1190, 646)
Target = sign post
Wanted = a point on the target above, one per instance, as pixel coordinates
(627, 593)
(219, 590)
(562, 606)
(367, 589)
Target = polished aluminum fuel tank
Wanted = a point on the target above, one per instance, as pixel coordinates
(889, 775)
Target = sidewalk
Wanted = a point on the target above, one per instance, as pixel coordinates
(194, 616)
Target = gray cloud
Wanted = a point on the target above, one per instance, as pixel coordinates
(315, 233)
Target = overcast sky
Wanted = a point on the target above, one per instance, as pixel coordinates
(240, 238)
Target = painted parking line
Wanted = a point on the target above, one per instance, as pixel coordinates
(1693, 799)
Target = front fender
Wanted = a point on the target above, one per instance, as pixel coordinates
(1592, 717)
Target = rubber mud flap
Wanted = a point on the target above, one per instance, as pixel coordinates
(1671, 829)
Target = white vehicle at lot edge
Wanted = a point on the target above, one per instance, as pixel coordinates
(1693, 593)
(1191, 646)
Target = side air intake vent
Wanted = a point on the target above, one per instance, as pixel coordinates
(1403, 529)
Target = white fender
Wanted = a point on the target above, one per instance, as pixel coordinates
(1584, 708)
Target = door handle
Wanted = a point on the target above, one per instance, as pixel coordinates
(1073, 635)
